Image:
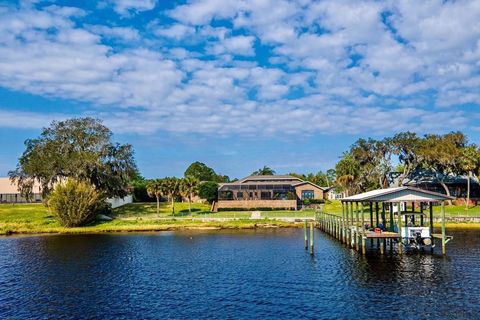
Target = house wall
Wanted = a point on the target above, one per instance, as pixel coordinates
(118, 202)
(317, 191)
(254, 204)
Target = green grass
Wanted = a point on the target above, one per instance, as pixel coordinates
(35, 218)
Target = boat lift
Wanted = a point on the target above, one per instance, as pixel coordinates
(407, 229)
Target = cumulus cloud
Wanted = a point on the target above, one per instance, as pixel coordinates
(249, 67)
(127, 7)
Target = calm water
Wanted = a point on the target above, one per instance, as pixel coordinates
(231, 274)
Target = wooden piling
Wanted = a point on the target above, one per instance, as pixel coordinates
(400, 239)
(357, 221)
(306, 235)
(444, 240)
(431, 227)
(311, 238)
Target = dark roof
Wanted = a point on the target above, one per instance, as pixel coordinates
(271, 180)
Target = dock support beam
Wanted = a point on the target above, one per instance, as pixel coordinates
(430, 205)
(400, 242)
(311, 238)
(444, 250)
(357, 221)
(306, 235)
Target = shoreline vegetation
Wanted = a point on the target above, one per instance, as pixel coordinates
(17, 219)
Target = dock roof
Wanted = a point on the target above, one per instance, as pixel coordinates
(398, 194)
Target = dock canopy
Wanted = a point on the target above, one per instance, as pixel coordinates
(398, 194)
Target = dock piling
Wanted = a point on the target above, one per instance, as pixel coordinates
(311, 238)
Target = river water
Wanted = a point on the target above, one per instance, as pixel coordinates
(232, 274)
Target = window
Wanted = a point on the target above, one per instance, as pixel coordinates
(265, 195)
(308, 194)
(240, 195)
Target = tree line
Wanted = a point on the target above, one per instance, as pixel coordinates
(405, 157)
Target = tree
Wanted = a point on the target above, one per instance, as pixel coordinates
(265, 171)
(347, 171)
(331, 176)
(208, 190)
(189, 188)
(77, 148)
(442, 155)
(201, 171)
(470, 162)
(406, 146)
(139, 185)
(171, 188)
(155, 189)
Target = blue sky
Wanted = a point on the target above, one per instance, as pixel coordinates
(239, 84)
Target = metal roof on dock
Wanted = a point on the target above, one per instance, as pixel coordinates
(398, 194)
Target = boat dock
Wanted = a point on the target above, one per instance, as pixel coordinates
(398, 218)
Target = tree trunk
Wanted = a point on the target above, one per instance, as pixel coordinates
(158, 205)
(468, 189)
(190, 205)
(173, 205)
(447, 191)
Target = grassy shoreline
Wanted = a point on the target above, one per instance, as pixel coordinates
(142, 217)
(148, 226)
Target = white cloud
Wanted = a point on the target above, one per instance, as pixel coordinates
(337, 66)
(177, 31)
(239, 45)
(119, 33)
(126, 7)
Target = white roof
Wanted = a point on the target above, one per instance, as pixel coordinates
(398, 194)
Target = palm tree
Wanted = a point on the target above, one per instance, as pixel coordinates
(154, 189)
(171, 187)
(265, 171)
(189, 188)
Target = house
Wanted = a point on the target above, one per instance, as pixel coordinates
(333, 194)
(9, 192)
(273, 191)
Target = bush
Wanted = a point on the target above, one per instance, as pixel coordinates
(208, 190)
(140, 193)
(75, 203)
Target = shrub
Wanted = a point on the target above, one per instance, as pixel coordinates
(75, 203)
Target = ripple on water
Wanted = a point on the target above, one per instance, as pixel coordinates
(244, 274)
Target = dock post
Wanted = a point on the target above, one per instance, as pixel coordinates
(431, 227)
(357, 229)
(364, 244)
(311, 238)
(352, 239)
(400, 242)
(306, 235)
(444, 249)
(342, 238)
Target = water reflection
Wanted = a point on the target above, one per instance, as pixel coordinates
(240, 274)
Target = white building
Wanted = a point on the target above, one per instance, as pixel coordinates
(9, 192)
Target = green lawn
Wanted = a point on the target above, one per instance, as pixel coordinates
(35, 218)
(149, 211)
